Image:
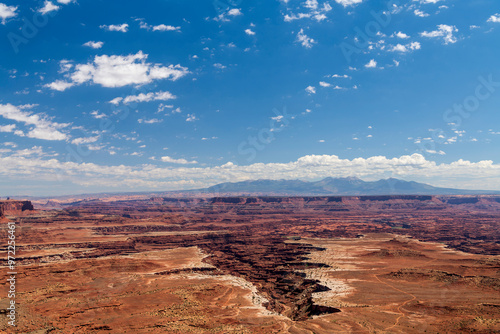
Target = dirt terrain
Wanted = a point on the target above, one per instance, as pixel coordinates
(373, 264)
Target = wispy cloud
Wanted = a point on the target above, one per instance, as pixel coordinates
(156, 96)
(40, 126)
(115, 27)
(443, 31)
(177, 161)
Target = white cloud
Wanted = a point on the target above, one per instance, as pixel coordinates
(420, 13)
(234, 12)
(223, 17)
(401, 35)
(40, 125)
(311, 4)
(219, 66)
(48, 7)
(157, 96)
(249, 32)
(345, 76)
(115, 27)
(371, 64)
(315, 12)
(290, 18)
(65, 2)
(311, 90)
(305, 40)
(60, 85)
(88, 140)
(160, 27)
(163, 27)
(406, 48)
(149, 121)
(324, 84)
(97, 115)
(494, 18)
(435, 152)
(177, 161)
(94, 45)
(458, 174)
(119, 71)
(444, 31)
(346, 3)
(7, 12)
(191, 118)
(7, 128)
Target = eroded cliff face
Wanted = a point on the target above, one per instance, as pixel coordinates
(14, 207)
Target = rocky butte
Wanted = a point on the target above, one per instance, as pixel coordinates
(13, 207)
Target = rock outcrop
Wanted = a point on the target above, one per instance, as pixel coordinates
(12, 207)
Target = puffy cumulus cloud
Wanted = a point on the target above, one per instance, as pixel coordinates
(7, 128)
(157, 96)
(305, 40)
(94, 45)
(311, 90)
(59, 85)
(48, 7)
(118, 71)
(401, 35)
(249, 32)
(160, 27)
(406, 48)
(115, 27)
(40, 126)
(479, 175)
(371, 64)
(494, 18)
(313, 11)
(443, 31)
(7, 12)
(226, 16)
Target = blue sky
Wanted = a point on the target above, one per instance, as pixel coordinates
(166, 95)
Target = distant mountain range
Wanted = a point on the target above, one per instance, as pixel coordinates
(336, 186)
(349, 186)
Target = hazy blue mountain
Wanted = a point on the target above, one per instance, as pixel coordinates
(337, 186)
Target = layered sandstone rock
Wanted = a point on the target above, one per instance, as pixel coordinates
(12, 207)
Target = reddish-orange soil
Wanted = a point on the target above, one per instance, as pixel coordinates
(375, 264)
